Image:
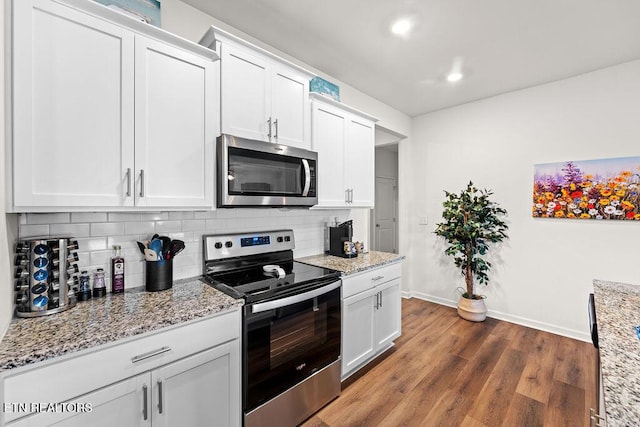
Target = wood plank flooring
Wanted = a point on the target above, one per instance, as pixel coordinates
(445, 371)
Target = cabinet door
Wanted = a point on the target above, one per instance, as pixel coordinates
(245, 85)
(120, 404)
(358, 340)
(200, 390)
(328, 139)
(72, 108)
(388, 314)
(360, 162)
(174, 126)
(290, 109)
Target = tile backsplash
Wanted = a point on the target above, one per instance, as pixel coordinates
(97, 232)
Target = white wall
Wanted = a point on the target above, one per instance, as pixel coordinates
(6, 288)
(543, 273)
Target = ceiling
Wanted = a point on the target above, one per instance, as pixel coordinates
(499, 45)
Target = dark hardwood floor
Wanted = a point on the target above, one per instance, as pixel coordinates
(445, 371)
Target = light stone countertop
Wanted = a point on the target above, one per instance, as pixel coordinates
(107, 319)
(347, 266)
(617, 312)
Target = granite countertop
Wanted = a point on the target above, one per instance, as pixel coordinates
(107, 319)
(617, 312)
(346, 266)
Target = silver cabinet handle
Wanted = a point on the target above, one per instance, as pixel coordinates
(128, 182)
(377, 302)
(275, 124)
(346, 195)
(159, 397)
(141, 182)
(269, 124)
(380, 298)
(351, 198)
(144, 356)
(145, 411)
(375, 279)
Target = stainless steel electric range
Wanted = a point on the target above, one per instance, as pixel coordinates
(291, 324)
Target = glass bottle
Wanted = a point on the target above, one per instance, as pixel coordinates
(117, 271)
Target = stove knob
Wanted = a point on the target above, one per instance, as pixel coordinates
(218, 245)
(280, 239)
(228, 244)
(287, 238)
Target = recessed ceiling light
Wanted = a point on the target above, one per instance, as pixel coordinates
(454, 76)
(401, 27)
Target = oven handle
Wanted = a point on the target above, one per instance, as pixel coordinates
(307, 177)
(293, 299)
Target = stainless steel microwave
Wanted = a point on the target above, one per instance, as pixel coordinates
(263, 174)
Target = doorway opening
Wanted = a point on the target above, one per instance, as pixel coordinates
(384, 217)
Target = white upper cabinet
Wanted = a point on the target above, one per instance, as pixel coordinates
(174, 136)
(345, 141)
(263, 97)
(105, 117)
(72, 107)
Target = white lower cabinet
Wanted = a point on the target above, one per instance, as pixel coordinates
(371, 316)
(189, 375)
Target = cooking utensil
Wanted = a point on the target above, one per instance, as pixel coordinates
(142, 247)
(150, 255)
(156, 246)
(166, 246)
(176, 247)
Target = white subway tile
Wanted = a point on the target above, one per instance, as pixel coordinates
(168, 226)
(89, 217)
(124, 216)
(215, 226)
(154, 216)
(107, 228)
(181, 215)
(26, 231)
(126, 242)
(205, 214)
(72, 230)
(193, 225)
(101, 257)
(184, 236)
(47, 218)
(140, 227)
(92, 244)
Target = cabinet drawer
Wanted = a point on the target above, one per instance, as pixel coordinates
(70, 376)
(354, 284)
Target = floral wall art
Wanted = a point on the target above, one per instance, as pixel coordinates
(603, 189)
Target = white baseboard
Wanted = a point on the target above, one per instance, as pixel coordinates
(542, 326)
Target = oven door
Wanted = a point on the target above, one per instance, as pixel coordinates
(289, 339)
(257, 173)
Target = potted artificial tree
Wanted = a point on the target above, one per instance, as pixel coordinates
(471, 222)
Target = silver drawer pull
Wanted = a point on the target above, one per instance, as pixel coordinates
(144, 356)
(377, 278)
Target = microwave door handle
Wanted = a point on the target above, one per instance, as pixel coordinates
(307, 177)
(293, 299)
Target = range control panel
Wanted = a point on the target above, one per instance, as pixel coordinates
(220, 246)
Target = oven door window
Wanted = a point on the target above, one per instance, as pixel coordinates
(258, 173)
(286, 345)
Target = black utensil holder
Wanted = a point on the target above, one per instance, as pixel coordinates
(159, 275)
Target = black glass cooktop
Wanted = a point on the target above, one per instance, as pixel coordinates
(254, 284)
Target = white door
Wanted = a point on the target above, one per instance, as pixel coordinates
(358, 340)
(388, 314)
(174, 127)
(201, 390)
(245, 94)
(72, 108)
(328, 139)
(120, 404)
(385, 215)
(360, 162)
(290, 111)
